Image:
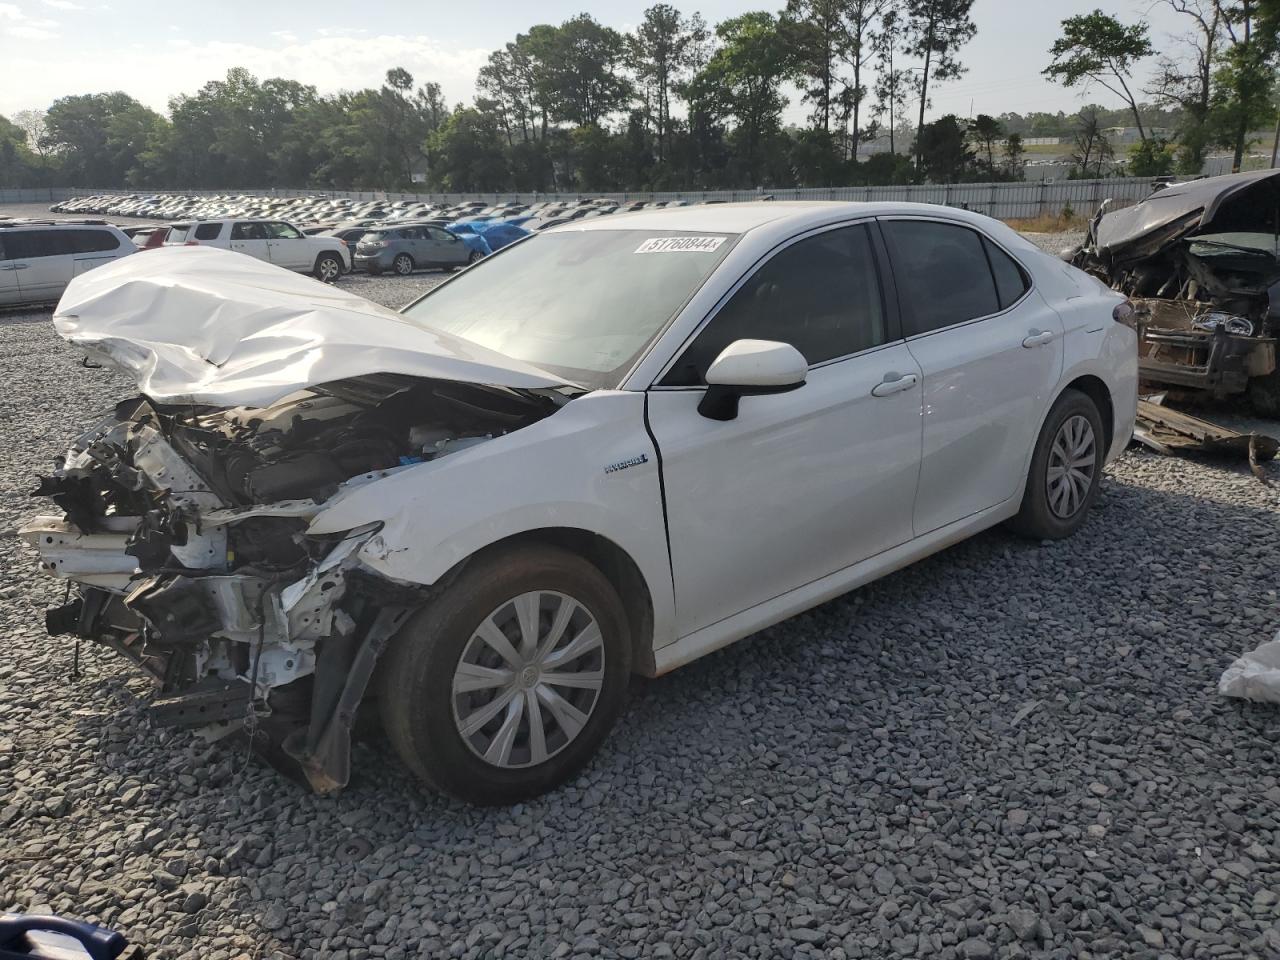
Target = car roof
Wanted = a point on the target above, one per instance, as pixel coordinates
(745, 217)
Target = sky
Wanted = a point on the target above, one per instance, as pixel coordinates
(154, 50)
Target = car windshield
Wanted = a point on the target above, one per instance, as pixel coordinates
(581, 304)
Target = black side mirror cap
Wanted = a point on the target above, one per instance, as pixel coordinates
(720, 402)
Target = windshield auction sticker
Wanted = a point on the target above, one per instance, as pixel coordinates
(680, 245)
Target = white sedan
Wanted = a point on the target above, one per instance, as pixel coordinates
(609, 449)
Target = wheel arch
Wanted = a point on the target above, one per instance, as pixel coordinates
(622, 572)
(1096, 390)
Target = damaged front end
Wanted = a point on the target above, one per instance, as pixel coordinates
(183, 535)
(1200, 262)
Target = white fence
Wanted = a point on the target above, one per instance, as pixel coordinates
(1003, 200)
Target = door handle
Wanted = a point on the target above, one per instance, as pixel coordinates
(1037, 338)
(894, 383)
(16, 266)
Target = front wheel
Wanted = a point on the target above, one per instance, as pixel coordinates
(504, 687)
(1066, 470)
(328, 267)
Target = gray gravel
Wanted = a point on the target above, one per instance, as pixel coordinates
(1007, 750)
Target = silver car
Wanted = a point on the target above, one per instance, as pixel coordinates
(405, 249)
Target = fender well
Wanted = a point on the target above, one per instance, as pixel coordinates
(1093, 388)
(611, 560)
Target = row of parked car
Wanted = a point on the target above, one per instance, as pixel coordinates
(329, 236)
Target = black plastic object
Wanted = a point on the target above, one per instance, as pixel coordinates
(98, 942)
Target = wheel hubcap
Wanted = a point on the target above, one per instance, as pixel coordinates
(328, 269)
(528, 679)
(403, 265)
(1072, 463)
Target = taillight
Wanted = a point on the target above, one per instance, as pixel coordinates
(1123, 312)
(192, 243)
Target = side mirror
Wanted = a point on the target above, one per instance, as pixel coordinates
(748, 368)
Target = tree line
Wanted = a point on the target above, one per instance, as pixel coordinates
(678, 105)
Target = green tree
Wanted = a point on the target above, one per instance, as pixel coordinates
(466, 153)
(984, 131)
(1184, 79)
(1091, 146)
(742, 80)
(663, 52)
(1013, 153)
(581, 71)
(99, 137)
(813, 31)
(894, 85)
(1243, 87)
(1152, 157)
(1097, 48)
(17, 162)
(936, 31)
(943, 150)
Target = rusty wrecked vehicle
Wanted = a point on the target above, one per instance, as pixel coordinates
(1200, 261)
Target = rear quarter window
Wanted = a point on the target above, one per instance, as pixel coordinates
(94, 241)
(208, 231)
(178, 233)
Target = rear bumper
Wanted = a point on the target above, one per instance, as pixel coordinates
(379, 261)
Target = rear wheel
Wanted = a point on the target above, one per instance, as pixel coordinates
(503, 688)
(402, 264)
(328, 267)
(1066, 470)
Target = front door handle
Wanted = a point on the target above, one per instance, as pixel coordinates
(15, 266)
(894, 383)
(1037, 338)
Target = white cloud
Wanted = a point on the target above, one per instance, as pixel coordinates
(330, 63)
(18, 25)
(62, 5)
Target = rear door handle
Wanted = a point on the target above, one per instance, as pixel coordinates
(1037, 338)
(894, 383)
(16, 266)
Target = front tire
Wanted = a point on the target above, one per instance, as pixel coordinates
(503, 688)
(1066, 470)
(328, 267)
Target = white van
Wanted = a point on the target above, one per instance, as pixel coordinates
(38, 258)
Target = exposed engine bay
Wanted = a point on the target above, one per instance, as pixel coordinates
(1200, 262)
(184, 537)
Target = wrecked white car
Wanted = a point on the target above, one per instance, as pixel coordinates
(611, 448)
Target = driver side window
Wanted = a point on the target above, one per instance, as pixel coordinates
(821, 295)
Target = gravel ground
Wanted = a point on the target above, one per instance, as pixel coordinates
(1007, 750)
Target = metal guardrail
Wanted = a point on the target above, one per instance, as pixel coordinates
(1002, 200)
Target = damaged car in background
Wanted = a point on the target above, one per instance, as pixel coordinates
(1200, 262)
(610, 448)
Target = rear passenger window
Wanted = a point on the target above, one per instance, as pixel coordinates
(942, 274)
(208, 231)
(821, 295)
(1011, 282)
(93, 241)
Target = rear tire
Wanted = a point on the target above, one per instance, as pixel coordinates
(471, 743)
(1066, 470)
(402, 264)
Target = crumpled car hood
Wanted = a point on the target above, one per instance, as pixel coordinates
(208, 326)
(1173, 212)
